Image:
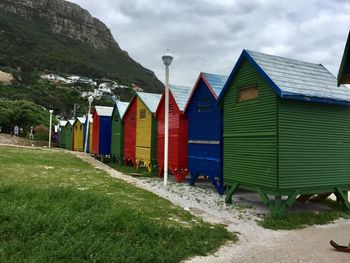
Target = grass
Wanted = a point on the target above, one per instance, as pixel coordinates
(56, 208)
(300, 220)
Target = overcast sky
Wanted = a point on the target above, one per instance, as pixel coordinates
(209, 35)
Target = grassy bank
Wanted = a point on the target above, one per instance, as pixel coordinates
(56, 208)
(299, 220)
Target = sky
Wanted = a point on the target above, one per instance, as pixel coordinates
(209, 36)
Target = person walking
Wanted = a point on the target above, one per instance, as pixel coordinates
(16, 130)
(31, 134)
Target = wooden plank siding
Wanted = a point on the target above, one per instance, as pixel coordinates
(250, 132)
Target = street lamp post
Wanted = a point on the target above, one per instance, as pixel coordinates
(87, 123)
(51, 111)
(167, 59)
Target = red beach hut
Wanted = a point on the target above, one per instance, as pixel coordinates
(129, 120)
(101, 141)
(178, 132)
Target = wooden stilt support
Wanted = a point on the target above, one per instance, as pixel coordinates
(343, 198)
(278, 207)
(229, 194)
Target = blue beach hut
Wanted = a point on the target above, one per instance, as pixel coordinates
(205, 130)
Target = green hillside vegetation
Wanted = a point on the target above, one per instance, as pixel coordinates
(60, 98)
(23, 114)
(28, 44)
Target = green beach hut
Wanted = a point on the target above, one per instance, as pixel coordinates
(69, 134)
(62, 134)
(286, 131)
(117, 136)
(344, 69)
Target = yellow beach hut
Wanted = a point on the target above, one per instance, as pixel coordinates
(146, 129)
(79, 134)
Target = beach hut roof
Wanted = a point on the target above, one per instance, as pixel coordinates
(294, 79)
(151, 100)
(71, 122)
(82, 120)
(122, 106)
(104, 111)
(63, 123)
(181, 95)
(216, 82)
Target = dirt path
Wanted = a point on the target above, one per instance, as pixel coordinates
(255, 244)
(14, 140)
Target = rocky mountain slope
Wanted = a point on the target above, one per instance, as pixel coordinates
(62, 37)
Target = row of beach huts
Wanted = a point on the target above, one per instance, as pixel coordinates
(276, 126)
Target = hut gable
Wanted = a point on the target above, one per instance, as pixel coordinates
(216, 82)
(344, 69)
(150, 100)
(213, 82)
(103, 111)
(122, 106)
(178, 95)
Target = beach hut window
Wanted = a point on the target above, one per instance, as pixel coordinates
(204, 105)
(76, 128)
(80, 127)
(131, 115)
(248, 93)
(116, 118)
(142, 113)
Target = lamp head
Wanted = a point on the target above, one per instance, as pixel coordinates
(167, 58)
(51, 111)
(90, 99)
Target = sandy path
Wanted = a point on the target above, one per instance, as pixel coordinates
(255, 244)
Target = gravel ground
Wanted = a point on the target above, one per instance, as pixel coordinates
(255, 244)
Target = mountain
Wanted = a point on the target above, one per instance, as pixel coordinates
(60, 36)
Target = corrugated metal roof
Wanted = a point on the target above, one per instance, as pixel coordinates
(216, 82)
(71, 122)
(81, 120)
(63, 123)
(298, 79)
(104, 111)
(181, 95)
(122, 106)
(150, 99)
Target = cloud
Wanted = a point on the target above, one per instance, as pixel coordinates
(209, 35)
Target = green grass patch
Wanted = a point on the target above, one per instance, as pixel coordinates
(56, 208)
(300, 220)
